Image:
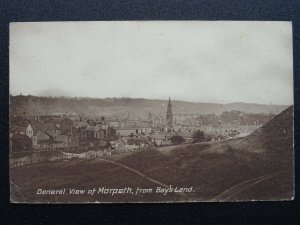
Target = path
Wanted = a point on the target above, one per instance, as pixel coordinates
(143, 176)
(238, 188)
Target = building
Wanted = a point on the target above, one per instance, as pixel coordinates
(42, 140)
(133, 128)
(118, 145)
(160, 139)
(99, 131)
(29, 131)
(169, 116)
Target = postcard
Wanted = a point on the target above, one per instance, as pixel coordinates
(151, 111)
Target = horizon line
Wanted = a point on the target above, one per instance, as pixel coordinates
(87, 97)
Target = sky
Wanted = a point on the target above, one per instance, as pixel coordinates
(197, 61)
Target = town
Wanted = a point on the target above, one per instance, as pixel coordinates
(95, 136)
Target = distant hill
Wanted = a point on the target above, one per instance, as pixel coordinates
(123, 106)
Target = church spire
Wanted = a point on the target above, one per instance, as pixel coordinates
(169, 116)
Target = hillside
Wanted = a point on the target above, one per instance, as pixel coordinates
(273, 138)
(258, 167)
(123, 106)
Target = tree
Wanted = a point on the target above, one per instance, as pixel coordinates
(198, 136)
(176, 139)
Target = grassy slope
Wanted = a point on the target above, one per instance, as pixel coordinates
(275, 137)
(80, 174)
(211, 170)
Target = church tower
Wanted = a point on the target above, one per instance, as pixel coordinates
(169, 116)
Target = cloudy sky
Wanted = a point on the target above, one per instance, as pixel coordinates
(218, 62)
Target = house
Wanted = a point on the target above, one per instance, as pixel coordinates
(42, 140)
(67, 138)
(73, 140)
(118, 145)
(163, 138)
(29, 131)
(160, 139)
(132, 144)
(136, 128)
(97, 132)
(229, 130)
(87, 133)
(125, 131)
(137, 143)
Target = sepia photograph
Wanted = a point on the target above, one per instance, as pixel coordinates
(151, 111)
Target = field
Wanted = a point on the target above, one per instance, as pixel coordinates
(216, 172)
